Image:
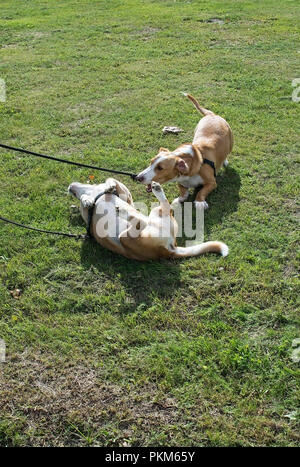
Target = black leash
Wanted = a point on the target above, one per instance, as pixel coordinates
(63, 234)
(91, 209)
(88, 235)
(65, 161)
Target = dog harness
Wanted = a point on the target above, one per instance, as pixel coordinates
(112, 191)
(212, 164)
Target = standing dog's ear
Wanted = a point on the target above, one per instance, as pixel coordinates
(182, 166)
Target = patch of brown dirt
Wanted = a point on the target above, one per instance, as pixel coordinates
(56, 402)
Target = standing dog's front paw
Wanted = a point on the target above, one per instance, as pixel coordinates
(87, 201)
(179, 200)
(201, 205)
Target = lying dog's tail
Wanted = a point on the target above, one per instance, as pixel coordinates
(196, 104)
(195, 250)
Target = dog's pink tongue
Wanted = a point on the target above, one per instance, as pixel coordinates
(149, 188)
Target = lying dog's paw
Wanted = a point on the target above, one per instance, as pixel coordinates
(156, 187)
(87, 201)
(110, 185)
(201, 205)
(158, 192)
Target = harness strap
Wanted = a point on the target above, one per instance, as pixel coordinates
(113, 191)
(212, 164)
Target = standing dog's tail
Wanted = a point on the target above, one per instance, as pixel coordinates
(195, 250)
(196, 104)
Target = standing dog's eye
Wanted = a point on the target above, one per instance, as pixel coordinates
(159, 167)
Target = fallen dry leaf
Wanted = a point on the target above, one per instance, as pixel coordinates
(172, 129)
(15, 293)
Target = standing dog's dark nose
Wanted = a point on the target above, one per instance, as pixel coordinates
(140, 178)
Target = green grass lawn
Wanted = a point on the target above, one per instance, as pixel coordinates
(106, 351)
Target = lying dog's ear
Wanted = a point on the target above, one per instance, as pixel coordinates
(182, 166)
(164, 150)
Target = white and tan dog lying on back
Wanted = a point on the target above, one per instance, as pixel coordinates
(194, 164)
(136, 236)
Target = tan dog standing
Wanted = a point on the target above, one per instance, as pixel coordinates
(194, 164)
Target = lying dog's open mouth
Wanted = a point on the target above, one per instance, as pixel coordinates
(149, 188)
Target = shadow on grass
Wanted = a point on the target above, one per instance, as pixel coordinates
(224, 200)
(143, 280)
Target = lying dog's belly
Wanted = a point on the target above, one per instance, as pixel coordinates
(189, 182)
(112, 217)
